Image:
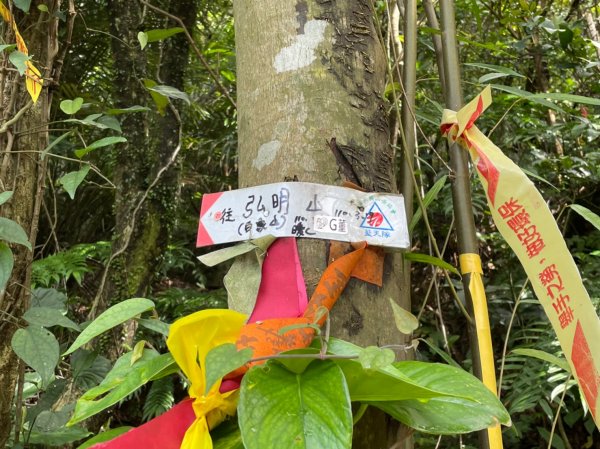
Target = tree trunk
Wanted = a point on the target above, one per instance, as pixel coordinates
(309, 71)
(23, 172)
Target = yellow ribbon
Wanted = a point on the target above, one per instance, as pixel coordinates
(33, 77)
(190, 340)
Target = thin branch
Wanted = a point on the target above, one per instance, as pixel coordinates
(16, 117)
(190, 39)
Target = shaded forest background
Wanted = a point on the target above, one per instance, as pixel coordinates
(130, 227)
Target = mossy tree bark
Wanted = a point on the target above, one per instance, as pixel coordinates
(22, 171)
(310, 71)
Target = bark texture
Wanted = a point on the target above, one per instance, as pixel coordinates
(309, 71)
(23, 172)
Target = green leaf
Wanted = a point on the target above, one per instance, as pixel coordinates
(129, 110)
(115, 315)
(49, 297)
(160, 101)
(443, 354)
(568, 97)
(89, 368)
(545, 356)
(105, 436)
(59, 437)
(72, 180)
(590, 216)
(43, 8)
(104, 142)
(55, 142)
(7, 47)
(39, 349)
(171, 92)
(163, 33)
(71, 107)
(491, 76)
(120, 383)
(48, 317)
(110, 122)
(405, 321)
(142, 39)
(429, 197)
(12, 232)
(432, 260)
(528, 96)
(23, 5)
(227, 436)
(468, 405)
(495, 68)
(138, 351)
(5, 196)
(383, 384)
(373, 357)
(47, 399)
(155, 325)
(6, 265)
(222, 360)
(278, 408)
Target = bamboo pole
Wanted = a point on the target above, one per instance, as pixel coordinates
(479, 329)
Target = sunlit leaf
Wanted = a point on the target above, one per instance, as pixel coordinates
(104, 142)
(71, 107)
(373, 357)
(129, 110)
(405, 321)
(587, 214)
(72, 180)
(6, 265)
(171, 92)
(142, 39)
(429, 197)
(138, 351)
(5, 196)
(115, 315)
(543, 355)
(431, 260)
(162, 34)
(105, 436)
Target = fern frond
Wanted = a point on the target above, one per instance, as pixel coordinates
(160, 398)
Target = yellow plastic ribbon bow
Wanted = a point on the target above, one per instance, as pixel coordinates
(190, 340)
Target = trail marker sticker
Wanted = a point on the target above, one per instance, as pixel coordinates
(300, 209)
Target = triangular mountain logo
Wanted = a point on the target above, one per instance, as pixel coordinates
(376, 219)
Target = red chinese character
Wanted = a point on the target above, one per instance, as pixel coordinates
(565, 318)
(547, 276)
(528, 234)
(519, 221)
(560, 304)
(509, 208)
(535, 247)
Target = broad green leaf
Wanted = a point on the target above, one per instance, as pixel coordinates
(89, 368)
(6, 265)
(431, 260)
(495, 68)
(19, 60)
(130, 378)
(491, 76)
(23, 5)
(115, 315)
(104, 142)
(160, 101)
(59, 437)
(43, 8)
(48, 317)
(405, 321)
(373, 357)
(227, 436)
(138, 351)
(110, 122)
(12, 232)
(278, 408)
(39, 349)
(468, 406)
(105, 436)
(171, 92)
(55, 142)
(568, 97)
(7, 47)
(587, 214)
(528, 96)
(163, 33)
(129, 110)
(155, 325)
(47, 399)
(71, 107)
(5, 196)
(142, 39)
(429, 197)
(545, 356)
(72, 180)
(383, 384)
(222, 360)
(49, 297)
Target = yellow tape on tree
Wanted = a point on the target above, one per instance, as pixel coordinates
(471, 264)
(524, 220)
(33, 77)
